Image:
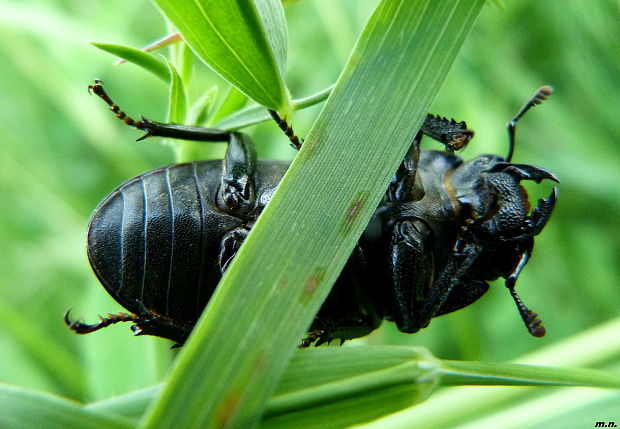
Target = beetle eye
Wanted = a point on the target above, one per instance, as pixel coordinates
(480, 162)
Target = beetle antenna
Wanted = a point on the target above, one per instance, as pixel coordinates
(84, 328)
(288, 130)
(532, 322)
(540, 96)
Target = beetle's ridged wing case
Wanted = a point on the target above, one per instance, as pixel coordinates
(153, 243)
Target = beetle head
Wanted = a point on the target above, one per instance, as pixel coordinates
(494, 202)
(496, 217)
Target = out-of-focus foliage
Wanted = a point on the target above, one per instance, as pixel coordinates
(62, 152)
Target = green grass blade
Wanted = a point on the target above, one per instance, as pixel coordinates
(202, 108)
(593, 347)
(233, 101)
(57, 362)
(507, 374)
(240, 40)
(242, 344)
(355, 385)
(142, 59)
(132, 404)
(27, 409)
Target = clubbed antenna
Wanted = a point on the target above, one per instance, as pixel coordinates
(288, 130)
(530, 318)
(537, 98)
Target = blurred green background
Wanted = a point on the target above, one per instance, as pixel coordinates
(61, 152)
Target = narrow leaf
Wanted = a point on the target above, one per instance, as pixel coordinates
(177, 107)
(233, 101)
(138, 57)
(201, 109)
(507, 374)
(278, 280)
(271, 14)
(230, 37)
(132, 404)
(27, 409)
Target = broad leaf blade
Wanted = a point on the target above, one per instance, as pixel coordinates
(266, 300)
(271, 14)
(231, 38)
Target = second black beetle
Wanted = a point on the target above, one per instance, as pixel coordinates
(160, 243)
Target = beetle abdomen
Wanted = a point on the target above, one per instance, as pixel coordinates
(153, 242)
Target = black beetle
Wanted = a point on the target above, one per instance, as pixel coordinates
(160, 243)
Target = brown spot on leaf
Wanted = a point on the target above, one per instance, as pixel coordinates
(260, 362)
(282, 283)
(354, 210)
(312, 283)
(227, 409)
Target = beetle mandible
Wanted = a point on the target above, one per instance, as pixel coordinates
(444, 228)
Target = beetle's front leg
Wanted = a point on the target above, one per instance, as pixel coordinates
(454, 135)
(401, 188)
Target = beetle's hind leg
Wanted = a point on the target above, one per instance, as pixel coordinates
(236, 194)
(159, 129)
(288, 130)
(84, 328)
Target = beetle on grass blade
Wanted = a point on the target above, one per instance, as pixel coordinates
(445, 227)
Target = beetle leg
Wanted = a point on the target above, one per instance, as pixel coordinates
(311, 338)
(288, 130)
(449, 278)
(412, 266)
(230, 245)
(402, 186)
(159, 129)
(352, 309)
(462, 295)
(530, 318)
(454, 135)
(237, 194)
(84, 328)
